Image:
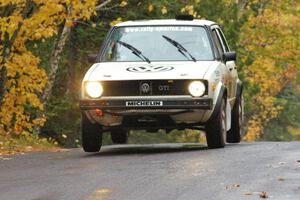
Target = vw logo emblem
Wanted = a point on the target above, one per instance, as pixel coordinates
(145, 88)
(149, 68)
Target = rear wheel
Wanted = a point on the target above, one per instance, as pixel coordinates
(119, 136)
(216, 128)
(91, 135)
(234, 134)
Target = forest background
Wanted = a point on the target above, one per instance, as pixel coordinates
(44, 48)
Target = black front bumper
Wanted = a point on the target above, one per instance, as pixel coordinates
(203, 103)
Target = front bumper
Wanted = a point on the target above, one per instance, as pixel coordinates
(203, 103)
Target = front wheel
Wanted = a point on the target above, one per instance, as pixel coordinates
(91, 135)
(215, 129)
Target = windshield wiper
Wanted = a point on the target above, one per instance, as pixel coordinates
(180, 48)
(134, 50)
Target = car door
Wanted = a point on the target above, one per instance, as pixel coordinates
(225, 69)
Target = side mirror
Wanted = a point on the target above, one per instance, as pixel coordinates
(229, 56)
(92, 58)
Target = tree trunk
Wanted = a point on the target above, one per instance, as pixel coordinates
(54, 62)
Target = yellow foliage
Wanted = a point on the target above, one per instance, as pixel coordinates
(116, 21)
(190, 10)
(123, 4)
(294, 131)
(24, 79)
(164, 10)
(229, 2)
(150, 8)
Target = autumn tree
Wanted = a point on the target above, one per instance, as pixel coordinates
(22, 81)
(270, 53)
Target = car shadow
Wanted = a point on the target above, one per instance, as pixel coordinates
(117, 150)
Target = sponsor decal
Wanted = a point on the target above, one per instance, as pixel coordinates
(149, 69)
(143, 103)
(159, 29)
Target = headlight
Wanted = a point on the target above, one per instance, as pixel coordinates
(94, 89)
(197, 88)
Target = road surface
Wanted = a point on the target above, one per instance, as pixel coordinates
(159, 172)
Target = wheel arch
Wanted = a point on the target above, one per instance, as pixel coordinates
(222, 94)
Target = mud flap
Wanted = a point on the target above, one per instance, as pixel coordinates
(228, 116)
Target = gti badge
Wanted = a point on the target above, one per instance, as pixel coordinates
(149, 68)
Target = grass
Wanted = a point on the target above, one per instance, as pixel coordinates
(25, 142)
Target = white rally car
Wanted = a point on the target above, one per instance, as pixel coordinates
(162, 74)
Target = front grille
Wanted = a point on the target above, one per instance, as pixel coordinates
(140, 87)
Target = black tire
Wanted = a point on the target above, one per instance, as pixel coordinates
(119, 136)
(235, 132)
(215, 128)
(91, 135)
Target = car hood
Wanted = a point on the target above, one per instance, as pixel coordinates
(146, 71)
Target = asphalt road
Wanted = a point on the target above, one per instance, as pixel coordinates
(159, 172)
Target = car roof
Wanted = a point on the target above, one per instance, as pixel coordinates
(195, 22)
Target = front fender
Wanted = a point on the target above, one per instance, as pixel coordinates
(220, 93)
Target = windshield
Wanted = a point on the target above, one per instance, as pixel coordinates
(158, 43)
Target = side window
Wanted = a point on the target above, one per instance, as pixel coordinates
(224, 42)
(217, 41)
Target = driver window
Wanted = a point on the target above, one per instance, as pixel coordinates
(217, 41)
(223, 40)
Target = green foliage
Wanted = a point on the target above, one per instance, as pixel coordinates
(286, 126)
